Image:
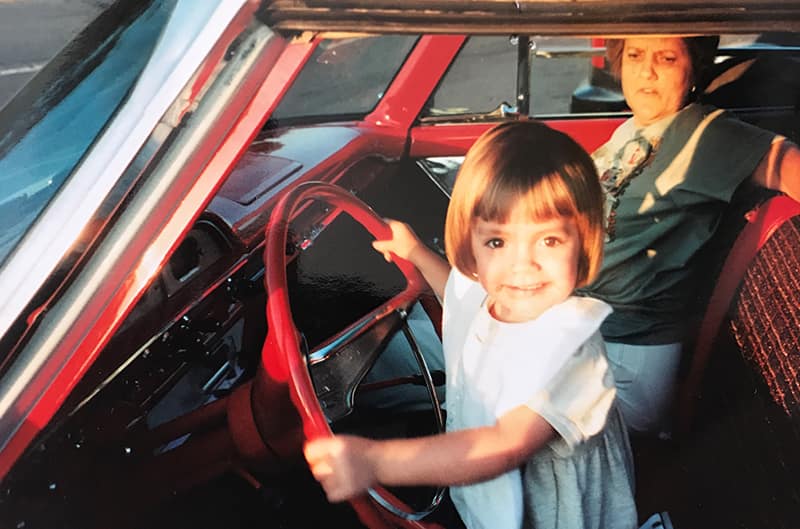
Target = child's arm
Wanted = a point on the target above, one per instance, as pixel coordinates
(405, 243)
(346, 466)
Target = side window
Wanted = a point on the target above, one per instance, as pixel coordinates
(345, 77)
(483, 77)
(755, 76)
(755, 71)
(564, 76)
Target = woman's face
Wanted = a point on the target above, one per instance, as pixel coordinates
(656, 75)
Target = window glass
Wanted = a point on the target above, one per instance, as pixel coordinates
(481, 78)
(757, 71)
(49, 126)
(569, 76)
(344, 77)
(561, 68)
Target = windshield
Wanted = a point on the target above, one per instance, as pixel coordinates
(48, 127)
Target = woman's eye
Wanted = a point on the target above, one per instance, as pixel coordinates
(494, 243)
(668, 59)
(633, 54)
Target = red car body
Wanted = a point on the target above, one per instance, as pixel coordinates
(230, 179)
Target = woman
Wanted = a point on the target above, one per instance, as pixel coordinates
(668, 172)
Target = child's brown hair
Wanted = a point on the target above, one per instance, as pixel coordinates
(544, 168)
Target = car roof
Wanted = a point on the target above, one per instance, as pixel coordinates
(542, 17)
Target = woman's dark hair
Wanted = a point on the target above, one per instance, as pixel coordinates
(702, 51)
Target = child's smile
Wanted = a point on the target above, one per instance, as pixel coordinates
(525, 266)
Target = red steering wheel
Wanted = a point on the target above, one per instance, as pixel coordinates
(284, 337)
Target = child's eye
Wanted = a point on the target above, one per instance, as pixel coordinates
(551, 241)
(495, 243)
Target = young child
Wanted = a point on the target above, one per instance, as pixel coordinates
(533, 435)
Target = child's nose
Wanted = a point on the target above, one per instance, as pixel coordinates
(527, 256)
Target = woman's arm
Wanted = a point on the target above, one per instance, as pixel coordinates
(346, 466)
(780, 168)
(405, 243)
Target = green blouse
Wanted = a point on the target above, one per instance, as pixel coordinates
(665, 198)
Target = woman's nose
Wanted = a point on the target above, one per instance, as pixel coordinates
(647, 69)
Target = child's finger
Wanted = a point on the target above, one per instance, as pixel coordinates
(321, 470)
(331, 465)
(319, 462)
(336, 496)
(381, 246)
(317, 453)
(316, 450)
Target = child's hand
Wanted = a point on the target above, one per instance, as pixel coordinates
(341, 465)
(402, 244)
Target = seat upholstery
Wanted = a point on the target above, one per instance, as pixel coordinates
(766, 316)
(744, 258)
(737, 462)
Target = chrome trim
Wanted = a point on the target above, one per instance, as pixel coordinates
(323, 352)
(380, 500)
(425, 372)
(355, 329)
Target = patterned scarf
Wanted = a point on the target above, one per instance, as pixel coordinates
(617, 169)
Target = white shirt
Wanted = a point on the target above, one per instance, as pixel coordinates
(555, 364)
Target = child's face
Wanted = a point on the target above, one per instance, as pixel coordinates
(525, 266)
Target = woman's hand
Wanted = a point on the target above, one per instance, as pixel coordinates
(342, 465)
(402, 244)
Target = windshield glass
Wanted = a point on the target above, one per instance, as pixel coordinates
(344, 78)
(50, 124)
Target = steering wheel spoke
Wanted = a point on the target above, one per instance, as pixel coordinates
(337, 368)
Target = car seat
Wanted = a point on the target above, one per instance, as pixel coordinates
(735, 461)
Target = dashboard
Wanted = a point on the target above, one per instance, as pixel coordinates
(197, 333)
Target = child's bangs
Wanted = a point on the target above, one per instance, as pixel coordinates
(546, 199)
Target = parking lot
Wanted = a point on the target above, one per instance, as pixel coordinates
(32, 32)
